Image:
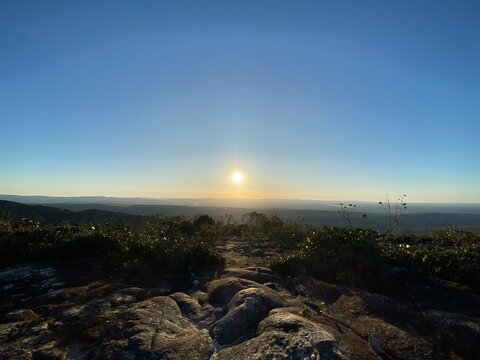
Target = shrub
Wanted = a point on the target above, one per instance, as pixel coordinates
(335, 254)
(160, 247)
(267, 231)
(203, 221)
(289, 265)
(448, 254)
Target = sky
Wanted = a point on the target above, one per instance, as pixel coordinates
(325, 100)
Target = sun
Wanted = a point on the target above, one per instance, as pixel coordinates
(237, 177)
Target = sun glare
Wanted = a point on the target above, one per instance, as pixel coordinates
(237, 177)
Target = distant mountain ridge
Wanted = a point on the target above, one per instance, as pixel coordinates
(15, 212)
(135, 214)
(260, 204)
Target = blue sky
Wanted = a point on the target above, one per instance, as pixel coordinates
(309, 99)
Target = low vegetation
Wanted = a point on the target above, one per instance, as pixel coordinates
(365, 257)
(164, 246)
(263, 231)
(360, 257)
(350, 256)
(449, 254)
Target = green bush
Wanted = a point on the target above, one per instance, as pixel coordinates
(160, 247)
(174, 245)
(267, 231)
(448, 254)
(335, 255)
(362, 257)
(289, 265)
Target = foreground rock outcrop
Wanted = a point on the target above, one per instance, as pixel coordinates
(154, 329)
(284, 335)
(56, 312)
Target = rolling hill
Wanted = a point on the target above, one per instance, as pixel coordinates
(132, 214)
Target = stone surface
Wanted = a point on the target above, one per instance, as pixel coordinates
(285, 336)
(155, 329)
(189, 306)
(246, 312)
(246, 309)
(457, 332)
(221, 291)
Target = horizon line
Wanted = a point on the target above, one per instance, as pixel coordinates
(232, 199)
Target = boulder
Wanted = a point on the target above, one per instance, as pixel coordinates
(287, 322)
(452, 331)
(154, 329)
(247, 308)
(18, 315)
(189, 307)
(221, 291)
(258, 274)
(269, 345)
(283, 335)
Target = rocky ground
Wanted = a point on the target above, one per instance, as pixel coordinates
(74, 311)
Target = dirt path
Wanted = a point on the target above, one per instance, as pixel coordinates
(240, 254)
